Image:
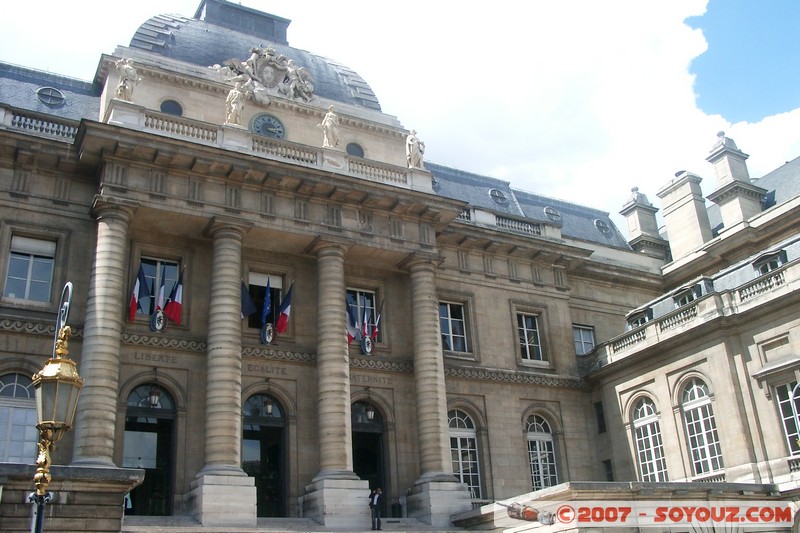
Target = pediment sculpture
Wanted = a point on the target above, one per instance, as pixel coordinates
(267, 73)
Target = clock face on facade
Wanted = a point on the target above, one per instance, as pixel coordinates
(268, 126)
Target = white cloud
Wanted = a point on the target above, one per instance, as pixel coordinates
(576, 99)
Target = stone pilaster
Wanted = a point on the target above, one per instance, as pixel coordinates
(336, 495)
(436, 494)
(222, 493)
(95, 421)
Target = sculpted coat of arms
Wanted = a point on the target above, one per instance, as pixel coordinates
(267, 73)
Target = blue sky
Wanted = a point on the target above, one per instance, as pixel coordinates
(580, 100)
(752, 66)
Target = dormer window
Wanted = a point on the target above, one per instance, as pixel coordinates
(552, 213)
(498, 196)
(50, 96)
(769, 262)
(684, 297)
(602, 227)
(640, 318)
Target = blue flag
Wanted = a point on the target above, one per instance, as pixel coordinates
(267, 305)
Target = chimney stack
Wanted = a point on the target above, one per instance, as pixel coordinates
(738, 199)
(685, 214)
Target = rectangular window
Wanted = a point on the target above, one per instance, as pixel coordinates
(257, 287)
(452, 321)
(684, 298)
(464, 460)
(161, 276)
(789, 405)
(542, 460)
(584, 339)
(600, 416)
(30, 269)
(608, 470)
(362, 309)
(530, 343)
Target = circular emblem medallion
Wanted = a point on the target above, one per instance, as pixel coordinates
(267, 333)
(366, 345)
(158, 321)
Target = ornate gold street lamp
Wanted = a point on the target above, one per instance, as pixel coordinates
(57, 387)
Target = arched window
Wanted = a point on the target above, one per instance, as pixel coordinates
(649, 449)
(355, 149)
(464, 451)
(18, 434)
(541, 453)
(701, 429)
(789, 403)
(171, 107)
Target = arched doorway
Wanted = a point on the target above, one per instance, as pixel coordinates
(368, 456)
(263, 456)
(149, 434)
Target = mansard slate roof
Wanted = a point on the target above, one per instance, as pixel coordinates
(218, 38)
(576, 221)
(18, 86)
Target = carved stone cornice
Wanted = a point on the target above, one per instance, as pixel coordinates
(13, 325)
(371, 363)
(159, 341)
(515, 377)
(266, 352)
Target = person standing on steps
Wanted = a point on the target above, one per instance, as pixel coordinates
(375, 503)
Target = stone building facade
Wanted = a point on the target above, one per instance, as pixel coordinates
(503, 342)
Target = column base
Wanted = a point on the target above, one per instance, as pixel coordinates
(434, 502)
(223, 500)
(338, 503)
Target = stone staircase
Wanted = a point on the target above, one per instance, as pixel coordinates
(185, 524)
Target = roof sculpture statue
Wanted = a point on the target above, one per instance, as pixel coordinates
(266, 73)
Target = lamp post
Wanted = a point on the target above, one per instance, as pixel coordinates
(57, 387)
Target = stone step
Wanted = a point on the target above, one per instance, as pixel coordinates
(185, 524)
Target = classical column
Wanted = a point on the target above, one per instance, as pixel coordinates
(432, 428)
(436, 495)
(333, 367)
(224, 353)
(335, 496)
(95, 421)
(222, 494)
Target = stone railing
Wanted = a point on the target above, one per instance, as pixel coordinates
(763, 284)
(631, 339)
(241, 140)
(378, 172)
(794, 464)
(518, 225)
(296, 153)
(758, 292)
(39, 124)
(681, 316)
(178, 126)
(718, 477)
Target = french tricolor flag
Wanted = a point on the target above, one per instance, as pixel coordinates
(283, 311)
(173, 307)
(140, 291)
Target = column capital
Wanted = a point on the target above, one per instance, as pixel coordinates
(327, 245)
(418, 260)
(110, 207)
(224, 224)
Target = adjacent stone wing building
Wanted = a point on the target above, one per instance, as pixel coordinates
(280, 305)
